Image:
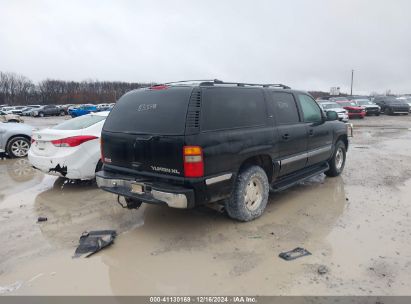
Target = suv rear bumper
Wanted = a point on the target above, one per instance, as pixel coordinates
(151, 192)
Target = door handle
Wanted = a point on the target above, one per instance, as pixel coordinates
(311, 132)
(286, 136)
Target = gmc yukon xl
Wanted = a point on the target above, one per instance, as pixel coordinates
(189, 143)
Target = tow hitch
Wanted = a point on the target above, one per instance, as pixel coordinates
(129, 203)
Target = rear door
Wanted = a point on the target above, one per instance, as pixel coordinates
(145, 131)
(292, 132)
(319, 132)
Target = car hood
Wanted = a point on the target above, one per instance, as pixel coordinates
(338, 110)
(18, 127)
(353, 108)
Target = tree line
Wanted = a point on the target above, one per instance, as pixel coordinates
(17, 89)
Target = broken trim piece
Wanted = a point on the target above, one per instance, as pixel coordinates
(294, 254)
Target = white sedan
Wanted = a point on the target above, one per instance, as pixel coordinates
(70, 149)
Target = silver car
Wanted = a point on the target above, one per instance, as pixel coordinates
(15, 139)
(333, 106)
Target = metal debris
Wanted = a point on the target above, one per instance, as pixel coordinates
(294, 254)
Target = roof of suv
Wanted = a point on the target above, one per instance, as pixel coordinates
(216, 82)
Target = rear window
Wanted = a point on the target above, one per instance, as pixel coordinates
(79, 123)
(285, 108)
(228, 108)
(147, 111)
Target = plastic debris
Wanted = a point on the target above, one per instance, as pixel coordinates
(322, 269)
(294, 254)
(93, 241)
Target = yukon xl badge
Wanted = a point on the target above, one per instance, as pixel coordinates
(166, 170)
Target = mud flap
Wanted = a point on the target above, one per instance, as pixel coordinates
(93, 241)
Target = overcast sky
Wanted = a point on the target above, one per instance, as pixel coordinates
(310, 45)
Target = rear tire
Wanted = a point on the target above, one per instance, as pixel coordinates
(62, 113)
(250, 195)
(18, 147)
(337, 162)
(387, 111)
(377, 114)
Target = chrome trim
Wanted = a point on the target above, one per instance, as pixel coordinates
(318, 151)
(171, 199)
(293, 158)
(217, 179)
(305, 155)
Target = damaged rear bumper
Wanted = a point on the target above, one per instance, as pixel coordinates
(147, 191)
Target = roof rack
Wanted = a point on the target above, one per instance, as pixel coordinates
(244, 84)
(213, 82)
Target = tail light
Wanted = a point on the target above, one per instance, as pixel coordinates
(159, 87)
(101, 150)
(72, 141)
(193, 161)
(32, 140)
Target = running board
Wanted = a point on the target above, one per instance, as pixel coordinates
(297, 177)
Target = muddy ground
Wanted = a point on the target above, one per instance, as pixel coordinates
(357, 225)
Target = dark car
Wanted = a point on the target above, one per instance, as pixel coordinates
(48, 110)
(371, 108)
(187, 144)
(391, 105)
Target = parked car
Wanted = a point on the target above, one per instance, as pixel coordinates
(103, 106)
(370, 107)
(47, 110)
(406, 99)
(82, 110)
(391, 105)
(15, 139)
(333, 106)
(354, 111)
(187, 144)
(7, 110)
(18, 109)
(27, 111)
(9, 117)
(70, 149)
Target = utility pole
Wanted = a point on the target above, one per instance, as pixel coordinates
(352, 80)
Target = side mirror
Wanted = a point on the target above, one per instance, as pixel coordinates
(332, 115)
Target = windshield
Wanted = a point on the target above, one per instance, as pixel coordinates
(364, 102)
(348, 104)
(79, 123)
(333, 105)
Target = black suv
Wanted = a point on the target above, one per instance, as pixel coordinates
(190, 143)
(391, 105)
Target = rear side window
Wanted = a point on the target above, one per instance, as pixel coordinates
(228, 108)
(285, 108)
(147, 111)
(79, 123)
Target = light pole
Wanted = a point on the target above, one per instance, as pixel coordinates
(352, 80)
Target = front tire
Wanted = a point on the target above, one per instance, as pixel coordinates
(41, 114)
(18, 147)
(250, 195)
(337, 162)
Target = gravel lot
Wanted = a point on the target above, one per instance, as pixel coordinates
(357, 225)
